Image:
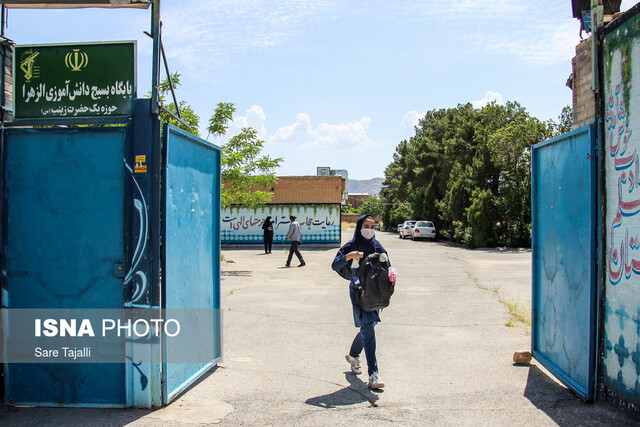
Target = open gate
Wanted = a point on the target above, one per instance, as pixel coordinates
(85, 213)
(191, 255)
(63, 240)
(564, 258)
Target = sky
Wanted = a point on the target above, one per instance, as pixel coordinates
(338, 83)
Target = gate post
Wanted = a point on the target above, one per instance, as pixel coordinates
(142, 281)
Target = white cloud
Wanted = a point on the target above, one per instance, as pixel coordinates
(255, 118)
(410, 121)
(458, 9)
(488, 97)
(538, 46)
(203, 34)
(300, 128)
(325, 137)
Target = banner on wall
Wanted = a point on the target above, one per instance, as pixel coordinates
(319, 223)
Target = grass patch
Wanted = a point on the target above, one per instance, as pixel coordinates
(518, 314)
(344, 225)
(227, 260)
(495, 289)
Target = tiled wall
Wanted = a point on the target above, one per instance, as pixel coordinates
(621, 53)
(319, 223)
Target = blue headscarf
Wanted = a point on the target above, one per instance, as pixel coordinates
(359, 243)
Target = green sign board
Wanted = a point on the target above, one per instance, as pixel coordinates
(75, 80)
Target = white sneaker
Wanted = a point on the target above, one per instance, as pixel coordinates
(355, 364)
(375, 381)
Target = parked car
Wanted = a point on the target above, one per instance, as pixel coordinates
(376, 226)
(423, 230)
(407, 228)
(399, 228)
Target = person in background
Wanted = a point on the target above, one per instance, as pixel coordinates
(267, 227)
(294, 235)
(363, 243)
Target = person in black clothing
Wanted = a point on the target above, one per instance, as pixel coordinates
(267, 226)
(357, 249)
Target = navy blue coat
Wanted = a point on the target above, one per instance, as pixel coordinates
(358, 243)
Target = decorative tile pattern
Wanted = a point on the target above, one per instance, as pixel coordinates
(318, 223)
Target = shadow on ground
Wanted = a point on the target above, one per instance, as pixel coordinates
(357, 392)
(23, 415)
(565, 408)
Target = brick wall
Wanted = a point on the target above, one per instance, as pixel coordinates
(356, 200)
(308, 189)
(584, 104)
(350, 218)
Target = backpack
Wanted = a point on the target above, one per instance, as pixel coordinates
(374, 289)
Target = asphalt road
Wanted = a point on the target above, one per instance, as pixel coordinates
(444, 350)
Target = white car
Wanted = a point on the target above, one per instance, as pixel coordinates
(423, 230)
(407, 229)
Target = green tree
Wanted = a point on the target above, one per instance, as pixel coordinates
(248, 176)
(348, 209)
(371, 205)
(399, 214)
(565, 120)
(468, 169)
(187, 114)
(511, 152)
(482, 216)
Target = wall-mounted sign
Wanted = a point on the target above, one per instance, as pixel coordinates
(74, 80)
(323, 171)
(319, 223)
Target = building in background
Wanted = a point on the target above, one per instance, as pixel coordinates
(314, 200)
(356, 200)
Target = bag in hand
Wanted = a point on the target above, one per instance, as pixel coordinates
(374, 290)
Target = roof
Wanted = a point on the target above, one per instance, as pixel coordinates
(610, 7)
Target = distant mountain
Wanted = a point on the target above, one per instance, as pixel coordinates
(368, 186)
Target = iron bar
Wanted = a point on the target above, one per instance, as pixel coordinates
(169, 112)
(155, 78)
(166, 69)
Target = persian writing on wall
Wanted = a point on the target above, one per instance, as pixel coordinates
(318, 223)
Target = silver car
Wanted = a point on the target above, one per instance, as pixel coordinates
(407, 229)
(423, 230)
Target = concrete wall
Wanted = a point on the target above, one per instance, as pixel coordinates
(584, 104)
(621, 364)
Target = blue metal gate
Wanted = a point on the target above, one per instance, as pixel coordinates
(191, 255)
(564, 258)
(64, 200)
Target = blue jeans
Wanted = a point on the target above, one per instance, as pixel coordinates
(366, 339)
